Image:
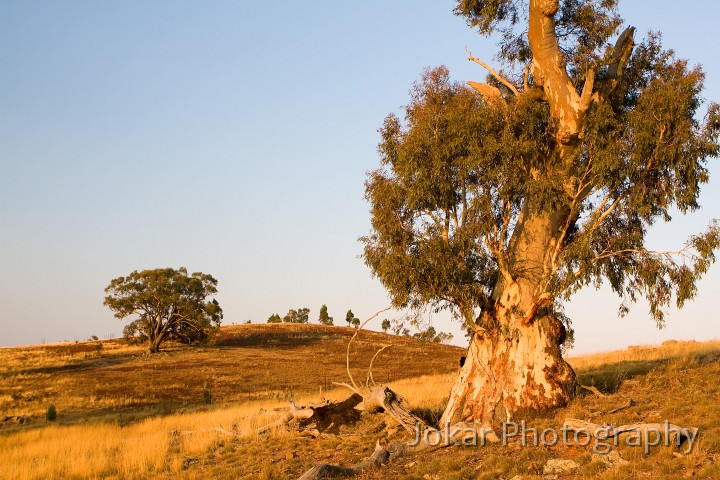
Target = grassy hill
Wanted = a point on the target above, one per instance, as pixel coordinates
(125, 414)
(90, 380)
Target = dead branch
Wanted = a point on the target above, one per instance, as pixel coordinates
(593, 390)
(378, 458)
(205, 430)
(629, 404)
(621, 53)
(454, 435)
(488, 92)
(319, 417)
(493, 72)
(372, 360)
(603, 432)
(382, 399)
(354, 387)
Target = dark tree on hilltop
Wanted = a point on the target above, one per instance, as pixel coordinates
(501, 200)
(350, 318)
(169, 305)
(274, 318)
(324, 318)
(431, 335)
(385, 325)
(301, 315)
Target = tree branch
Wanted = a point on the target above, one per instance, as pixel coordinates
(493, 72)
(489, 93)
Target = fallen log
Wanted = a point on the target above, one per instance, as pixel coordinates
(678, 435)
(325, 416)
(379, 457)
(383, 400)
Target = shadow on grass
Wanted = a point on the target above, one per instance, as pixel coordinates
(431, 416)
(76, 366)
(608, 378)
(281, 340)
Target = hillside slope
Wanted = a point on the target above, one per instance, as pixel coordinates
(267, 361)
(255, 369)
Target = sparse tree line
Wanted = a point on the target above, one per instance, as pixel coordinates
(168, 304)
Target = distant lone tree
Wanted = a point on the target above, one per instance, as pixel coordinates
(274, 318)
(350, 318)
(324, 318)
(301, 315)
(500, 200)
(165, 304)
(385, 325)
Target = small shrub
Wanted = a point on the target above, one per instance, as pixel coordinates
(207, 397)
(51, 413)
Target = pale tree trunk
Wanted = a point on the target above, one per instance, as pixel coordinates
(506, 376)
(514, 364)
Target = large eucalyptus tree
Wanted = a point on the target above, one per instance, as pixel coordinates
(501, 200)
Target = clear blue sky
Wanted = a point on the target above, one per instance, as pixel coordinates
(233, 138)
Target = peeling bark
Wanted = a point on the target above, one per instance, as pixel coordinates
(510, 373)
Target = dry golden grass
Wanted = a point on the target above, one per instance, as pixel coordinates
(249, 362)
(163, 445)
(678, 381)
(671, 349)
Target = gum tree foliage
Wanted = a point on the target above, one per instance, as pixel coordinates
(165, 304)
(351, 319)
(274, 318)
(324, 318)
(500, 200)
(301, 315)
(456, 173)
(431, 335)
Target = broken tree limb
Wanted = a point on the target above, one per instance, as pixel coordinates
(378, 458)
(382, 399)
(603, 432)
(220, 430)
(319, 417)
(593, 390)
(372, 360)
(630, 403)
(454, 435)
(493, 72)
(427, 438)
(488, 92)
(354, 387)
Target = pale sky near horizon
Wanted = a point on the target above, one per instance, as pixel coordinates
(233, 138)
